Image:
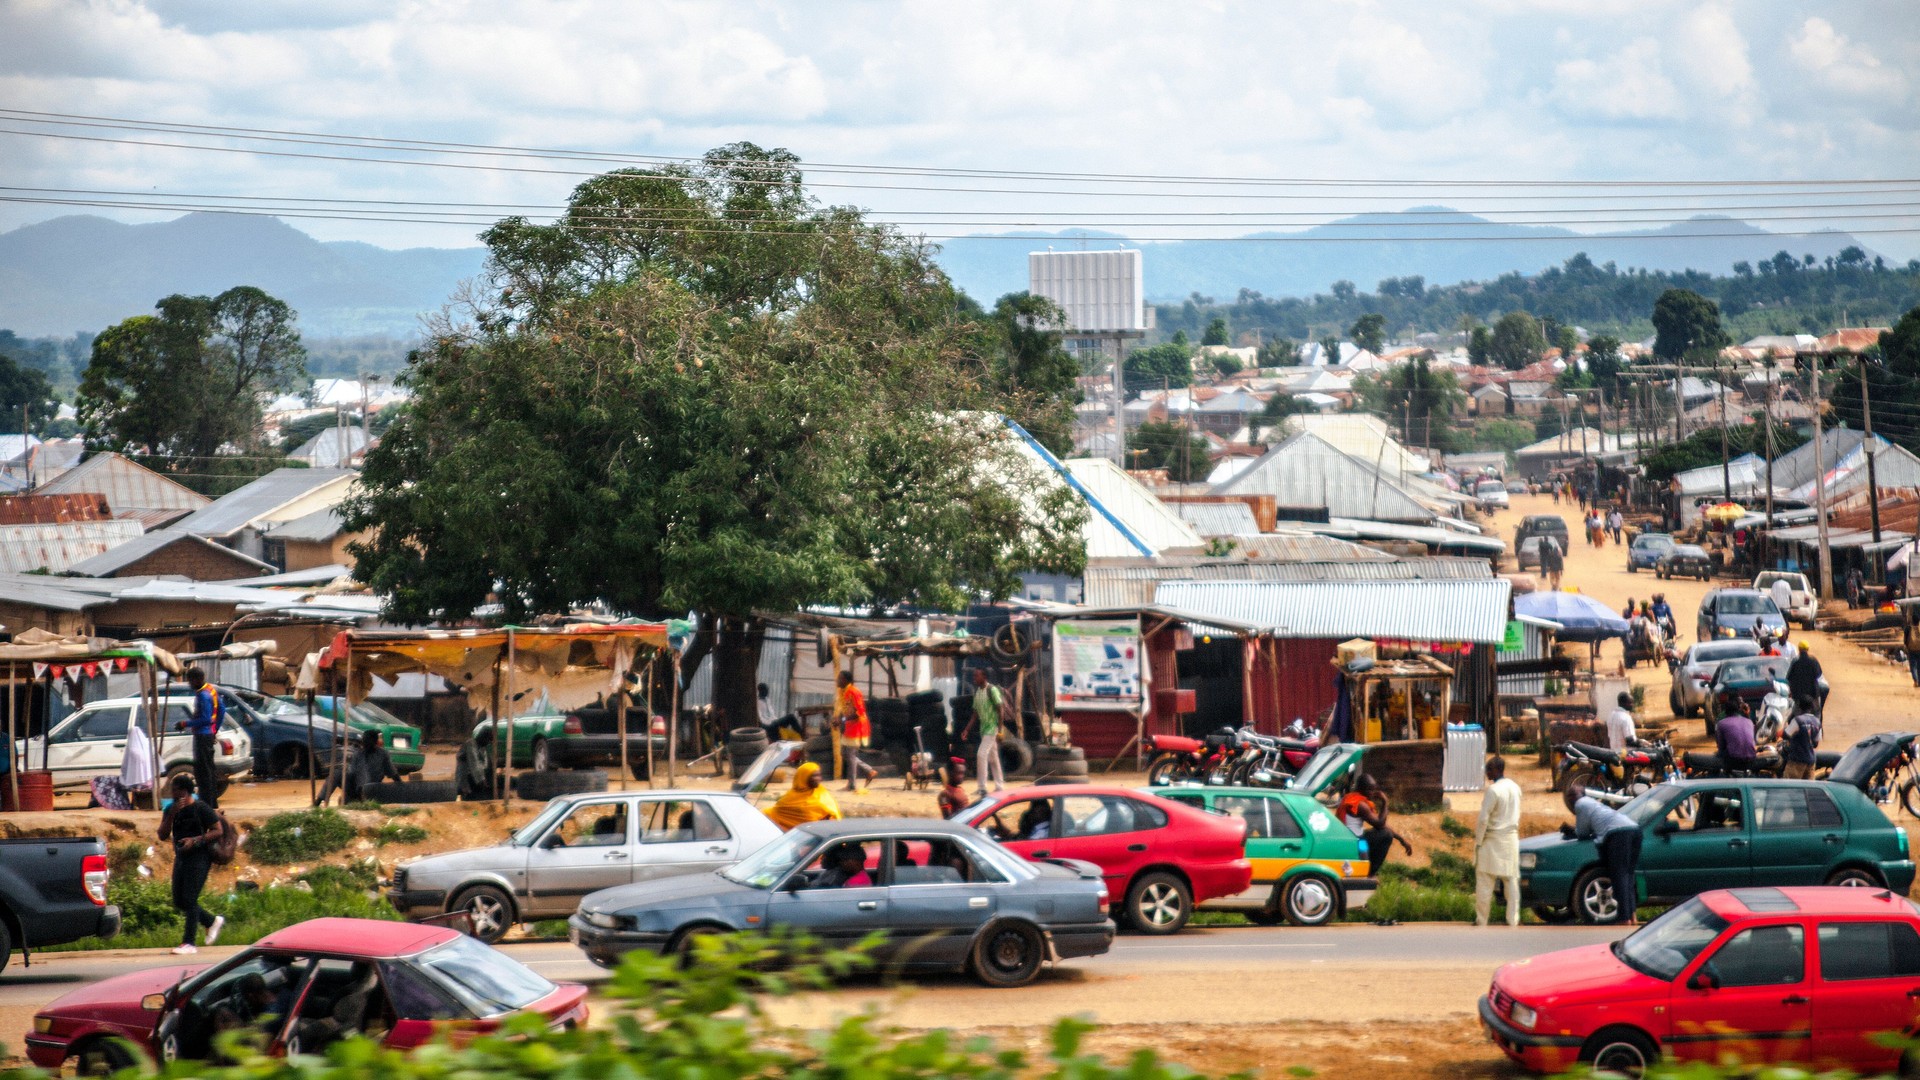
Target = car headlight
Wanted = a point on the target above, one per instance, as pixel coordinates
(1529, 860)
(43, 1025)
(605, 920)
(1524, 1017)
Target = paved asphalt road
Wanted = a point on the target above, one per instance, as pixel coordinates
(1221, 951)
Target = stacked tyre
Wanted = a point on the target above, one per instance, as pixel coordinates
(546, 785)
(1059, 765)
(744, 745)
(925, 711)
(409, 792)
(891, 723)
(819, 750)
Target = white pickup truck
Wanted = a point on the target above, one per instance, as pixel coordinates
(1801, 605)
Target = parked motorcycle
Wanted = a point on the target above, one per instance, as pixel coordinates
(1267, 760)
(1767, 762)
(1624, 773)
(1178, 759)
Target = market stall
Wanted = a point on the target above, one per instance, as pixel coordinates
(1396, 697)
(34, 654)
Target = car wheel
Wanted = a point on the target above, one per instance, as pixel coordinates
(1009, 954)
(1620, 1052)
(542, 757)
(290, 761)
(6, 945)
(102, 1057)
(1553, 916)
(1311, 900)
(1159, 903)
(1169, 769)
(489, 912)
(1632, 569)
(1593, 899)
(170, 1048)
(1673, 703)
(1854, 877)
(686, 945)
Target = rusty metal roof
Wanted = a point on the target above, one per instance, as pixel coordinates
(131, 490)
(42, 509)
(54, 548)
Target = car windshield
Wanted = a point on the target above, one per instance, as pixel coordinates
(486, 981)
(366, 712)
(1754, 669)
(765, 868)
(534, 829)
(1724, 650)
(1491, 485)
(1664, 947)
(1650, 541)
(1651, 805)
(1747, 604)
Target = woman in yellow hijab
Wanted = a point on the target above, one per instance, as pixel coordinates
(806, 801)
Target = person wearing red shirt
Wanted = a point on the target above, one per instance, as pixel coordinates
(856, 732)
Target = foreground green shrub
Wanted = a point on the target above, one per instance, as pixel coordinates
(297, 836)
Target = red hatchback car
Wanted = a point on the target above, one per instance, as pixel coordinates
(1804, 975)
(300, 989)
(1158, 857)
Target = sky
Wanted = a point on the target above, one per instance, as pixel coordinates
(1356, 92)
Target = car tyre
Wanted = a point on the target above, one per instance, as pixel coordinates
(542, 756)
(103, 1057)
(1311, 900)
(489, 912)
(1008, 953)
(412, 791)
(1016, 757)
(1159, 903)
(6, 945)
(290, 762)
(1620, 1052)
(685, 948)
(1552, 916)
(1854, 877)
(1593, 899)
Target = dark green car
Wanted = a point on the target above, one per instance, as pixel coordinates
(402, 740)
(1700, 835)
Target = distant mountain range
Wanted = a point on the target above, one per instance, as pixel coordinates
(85, 273)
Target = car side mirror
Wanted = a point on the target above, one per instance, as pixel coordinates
(552, 841)
(154, 1002)
(1703, 980)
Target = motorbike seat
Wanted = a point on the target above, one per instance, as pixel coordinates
(1826, 759)
(1597, 753)
(1175, 743)
(1699, 761)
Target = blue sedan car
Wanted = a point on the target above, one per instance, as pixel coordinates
(942, 896)
(1645, 551)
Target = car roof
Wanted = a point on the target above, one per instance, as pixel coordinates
(1740, 591)
(369, 939)
(1173, 790)
(651, 793)
(1807, 900)
(1688, 549)
(858, 826)
(1049, 791)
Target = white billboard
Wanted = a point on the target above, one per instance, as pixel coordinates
(1101, 291)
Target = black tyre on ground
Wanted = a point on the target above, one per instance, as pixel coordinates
(101, 1056)
(1311, 900)
(1046, 781)
(411, 791)
(6, 945)
(1016, 757)
(290, 762)
(489, 911)
(1159, 903)
(686, 944)
(542, 786)
(1620, 1052)
(1551, 915)
(542, 756)
(1593, 899)
(1008, 954)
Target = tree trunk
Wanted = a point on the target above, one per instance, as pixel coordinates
(736, 667)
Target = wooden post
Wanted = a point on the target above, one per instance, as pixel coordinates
(673, 722)
(13, 736)
(1273, 681)
(653, 661)
(507, 701)
(344, 704)
(498, 780)
(312, 765)
(150, 700)
(1246, 682)
(620, 724)
(833, 717)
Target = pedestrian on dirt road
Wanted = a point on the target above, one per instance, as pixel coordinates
(1615, 524)
(1553, 561)
(208, 711)
(192, 827)
(806, 800)
(1803, 677)
(1496, 844)
(1856, 587)
(987, 707)
(856, 730)
(1618, 838)
(1913, 649)
(1798, 748)
(953, 788)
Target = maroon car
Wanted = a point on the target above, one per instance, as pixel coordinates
(300, 989)
(1159, 857)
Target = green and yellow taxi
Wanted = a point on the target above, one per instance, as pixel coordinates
(1307, 867)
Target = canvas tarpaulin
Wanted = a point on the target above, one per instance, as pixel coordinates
(572, 666)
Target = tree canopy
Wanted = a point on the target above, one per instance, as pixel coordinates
(1422, 400)
(1892, 371)
(1169, 364)
(1173, 447)
(1369, 332)
(1516, 341)
(1687, 325)
(24, 391)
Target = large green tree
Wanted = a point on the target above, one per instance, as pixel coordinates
(1174, 447)
(698, 390)
(1892, 374)
(1686, 326)
(189, 380)
(1216, 333)
(1516, 341)
(1422, 400)
(1169, 365)
(24, 393)
(1369, 332)
(1031, 368)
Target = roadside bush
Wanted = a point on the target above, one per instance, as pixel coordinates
(361, 875)
(148, 919)
(297, 836)
(1454, 827)
(394, 832)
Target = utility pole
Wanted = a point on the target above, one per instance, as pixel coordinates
(1676, 404)
(1866, 423)
(1726, 470)
(1772, 378)
(1820, 483)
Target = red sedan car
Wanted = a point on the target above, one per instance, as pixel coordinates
(1159, 857)
(1805, 975)
(300, 989)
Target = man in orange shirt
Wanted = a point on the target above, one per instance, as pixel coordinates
(855, 730)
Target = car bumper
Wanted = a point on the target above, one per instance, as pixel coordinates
(1540, 1053)
(577, 751)
(1089, 939)
(418, 903)
(606, 947)
(110, 915)
(47, 1051)
(1356, 891)
(1899, 876)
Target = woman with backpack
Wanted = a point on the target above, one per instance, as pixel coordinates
(195, 831)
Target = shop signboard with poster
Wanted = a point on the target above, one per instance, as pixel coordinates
(1099, 664)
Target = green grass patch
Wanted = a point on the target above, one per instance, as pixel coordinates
(550, 928)
(1454, 827)
(390, 811)
(297, 836)
(394, 832)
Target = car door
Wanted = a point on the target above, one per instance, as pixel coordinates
(588, 849)
(1701, 843)
(681, 836)
(1113, 832)
(1749, 998)
(836, 915)
(176, 741)
(1797, 834)
(1275, 842)
(88, 745)
(1869, 985)
(940, 894)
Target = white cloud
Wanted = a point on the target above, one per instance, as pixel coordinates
(1841, 65)
(1631, 84)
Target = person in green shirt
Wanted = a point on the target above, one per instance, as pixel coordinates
(987, 704)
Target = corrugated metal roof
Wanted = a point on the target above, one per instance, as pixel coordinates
(324, 450)
(1138, 510)
(131, 490)
(41, 591)
(55, 548)
(1306, 470)
(1432, 537)
(1362, 437)
(116, 558)
(243, 506)
(317, 527)
(1218, 519)
(1305, 547)
(1415, 610)
(1134, 581)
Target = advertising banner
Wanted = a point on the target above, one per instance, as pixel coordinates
(1099, 664)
